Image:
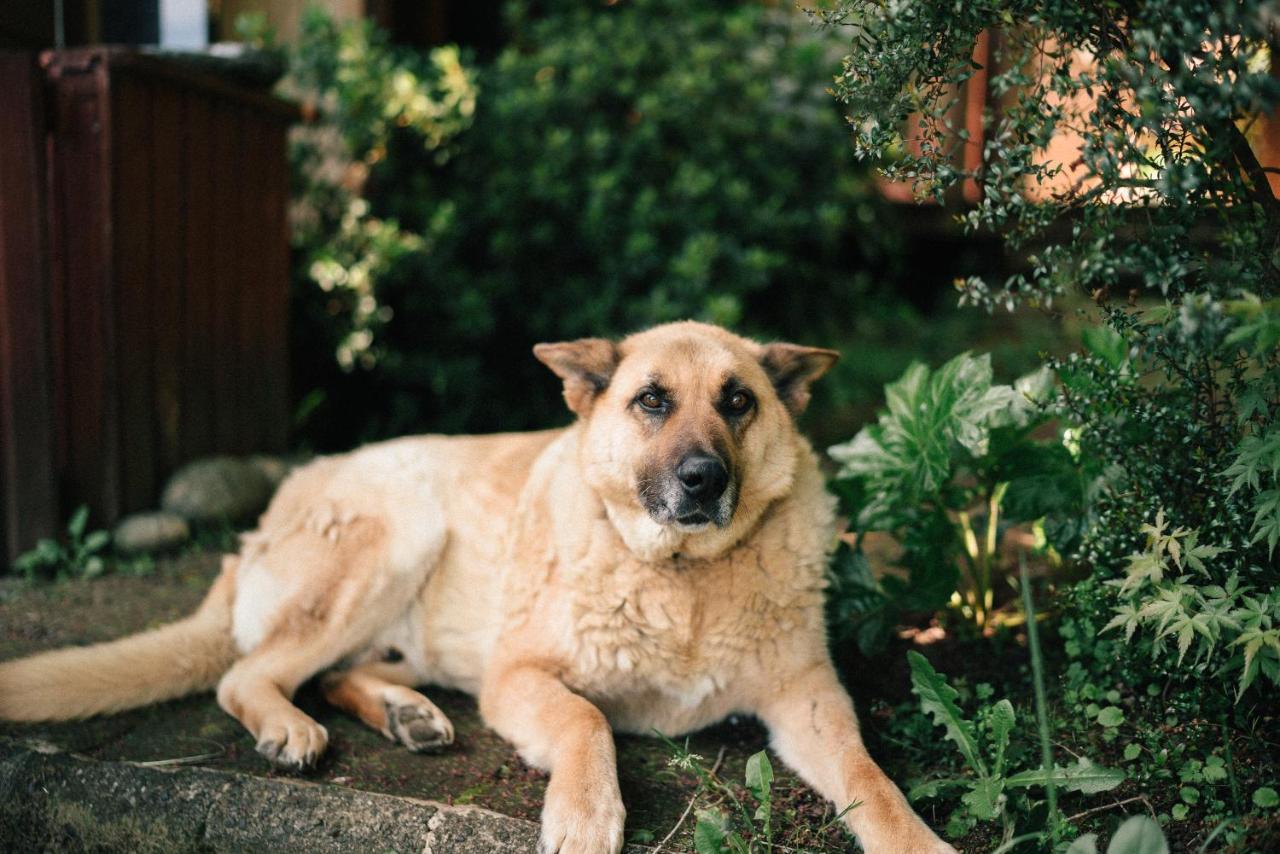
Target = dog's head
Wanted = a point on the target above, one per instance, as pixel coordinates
(688, 430)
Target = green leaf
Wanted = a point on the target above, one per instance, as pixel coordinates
(759, 782)
(983, 798)
(1084, 777)
(1087, 844)
(1131, 752)
(1105, 343)
(930, 421)
(1266, 798)
(75, 527)
(1111, 716)
(96, 541)
(931, 788)
(1138, 835)
(937, 698)
(1002, 721)
(708, 832)
(93, 567)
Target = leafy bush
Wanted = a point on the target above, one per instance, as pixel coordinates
(624, 165)
(1163, 596)
(947, 466)
(1176, 402)
(1165, 219)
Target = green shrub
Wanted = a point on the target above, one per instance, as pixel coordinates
(625, 165)
(947, 467)
(1175, 400)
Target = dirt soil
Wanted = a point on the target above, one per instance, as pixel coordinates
(479, 769)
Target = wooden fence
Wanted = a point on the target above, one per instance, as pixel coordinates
(143, 280)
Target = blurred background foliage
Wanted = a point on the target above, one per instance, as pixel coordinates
(611, 168)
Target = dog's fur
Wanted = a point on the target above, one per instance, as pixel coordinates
(564, 577)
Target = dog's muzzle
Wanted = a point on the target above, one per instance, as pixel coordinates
(697, 493)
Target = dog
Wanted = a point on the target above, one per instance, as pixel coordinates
(657, 565)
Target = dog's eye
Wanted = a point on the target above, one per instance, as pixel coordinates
(739, 402)
(651, 401)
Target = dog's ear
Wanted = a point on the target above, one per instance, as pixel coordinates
(793, 369)
(585, 365)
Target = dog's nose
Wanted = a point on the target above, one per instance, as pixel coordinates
(703, 477)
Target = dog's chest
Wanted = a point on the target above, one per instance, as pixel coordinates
(685, 632)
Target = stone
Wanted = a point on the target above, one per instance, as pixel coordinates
(56, 801)
(144, 533)
(217, 488)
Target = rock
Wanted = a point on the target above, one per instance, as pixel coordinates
(58, 802)
(217, 488)
(150, 532)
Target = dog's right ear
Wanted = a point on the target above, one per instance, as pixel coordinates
(585, 365)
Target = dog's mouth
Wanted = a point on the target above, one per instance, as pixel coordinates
(667, 504)
(696, 519)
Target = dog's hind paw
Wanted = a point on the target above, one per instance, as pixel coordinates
(418, 725)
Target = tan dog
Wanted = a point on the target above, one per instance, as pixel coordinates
(658, 565)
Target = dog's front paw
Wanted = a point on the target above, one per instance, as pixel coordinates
(293, 743)
(583, 814)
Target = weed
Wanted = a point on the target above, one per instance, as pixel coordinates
(79, 557)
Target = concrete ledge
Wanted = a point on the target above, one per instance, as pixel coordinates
(51, 800)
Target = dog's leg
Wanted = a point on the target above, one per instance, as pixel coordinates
(815, 731)
(378, 694)
(257, 691)
(559, 731)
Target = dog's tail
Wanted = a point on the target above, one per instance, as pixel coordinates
(162, 664)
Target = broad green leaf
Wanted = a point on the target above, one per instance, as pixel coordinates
(937, 698)
(708, 833)
(1138, 835)
(1266, 798)
(1087, 844)
(759, 781)
(1084, 777)
(983, 798)
(1105, 343)
(1111, 716)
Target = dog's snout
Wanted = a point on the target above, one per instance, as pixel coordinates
(702, 476)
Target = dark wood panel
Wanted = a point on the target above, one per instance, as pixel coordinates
(274, 292)
(83, 323)
(28, 497)
(255, 258)
(227, 259)
(143, 320)
(134, 220)
(199, 357)
(169, 208)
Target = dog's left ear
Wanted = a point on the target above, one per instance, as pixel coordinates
(793, 369)
(585, 365)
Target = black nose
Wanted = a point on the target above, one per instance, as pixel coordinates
(703, 477)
